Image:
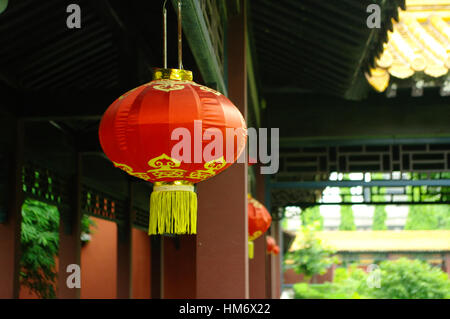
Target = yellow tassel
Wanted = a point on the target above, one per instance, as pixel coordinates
(250, 249)
(173, 210)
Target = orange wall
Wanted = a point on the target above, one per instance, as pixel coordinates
(141, 264)
(99, 264)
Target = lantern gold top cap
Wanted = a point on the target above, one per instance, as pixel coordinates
(172, 74)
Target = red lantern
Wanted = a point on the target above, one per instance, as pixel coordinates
(271, 246)
(159, 132)
(259, 221)
(270, 243)
(276, 250)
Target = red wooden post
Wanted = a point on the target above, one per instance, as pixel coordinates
(257, 273)
(222, 251)
(10, 230)
(447, 263)
(214, 264)
(179, 267)
(269, 277)
(156, 267)
(258, 265)
(124, 250)
(70, 237)
(273, 272)
(277, 262)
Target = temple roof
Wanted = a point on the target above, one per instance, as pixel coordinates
(419, 44)
(383, 241)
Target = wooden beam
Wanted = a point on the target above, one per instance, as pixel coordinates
(252, 82)
(199, 39)
(86, 105)
(327, 117)
(122, 22)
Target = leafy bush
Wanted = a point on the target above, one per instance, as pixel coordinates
(412, 279)
(326, 290)
(40, 241)
(312, 257)
(40, 244)
(312, 215)
(400, 279)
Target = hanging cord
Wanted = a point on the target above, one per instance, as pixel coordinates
(180, 35)
(165, 34)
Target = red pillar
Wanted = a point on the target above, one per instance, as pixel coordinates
(257, 273)
(124, 249)
(447, 263)
(273, 271)
(277, 261)
(10, 230)
(156, 266)
(214, 264)
(179, 267)
(269, 276)
(69, 236)
(257, 265)
(222, 261)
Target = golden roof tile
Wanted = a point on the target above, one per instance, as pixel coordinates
(379, 241)
(419, 42)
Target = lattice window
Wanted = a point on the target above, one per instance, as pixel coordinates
(317, 162)
(99, 204)
(141, 219)
(44, 185)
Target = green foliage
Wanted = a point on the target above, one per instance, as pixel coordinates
(321, 291)
(312, 258)
(347, 219)
(312, 215)
(39, 239)
(87, 224)
(40, 244)
(400, 279)
(348, 284)
(411, 279)
(379, 218)
(428, 217)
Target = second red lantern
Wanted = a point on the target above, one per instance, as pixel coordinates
(259, 221)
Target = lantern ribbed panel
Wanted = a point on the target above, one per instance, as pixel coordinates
(138, 126)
